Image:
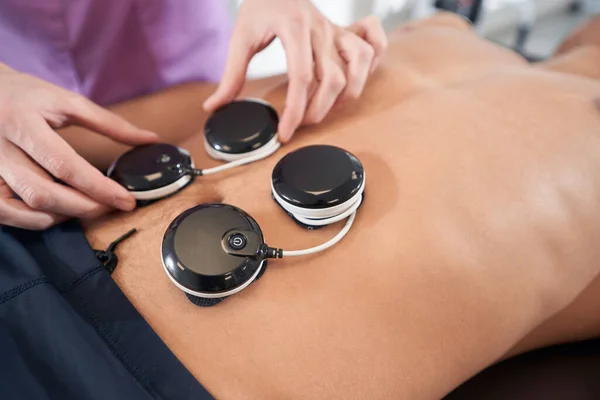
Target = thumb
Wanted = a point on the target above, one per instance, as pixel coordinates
(239, 55)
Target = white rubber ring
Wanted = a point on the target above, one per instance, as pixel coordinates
(322, 216)
(205, 295)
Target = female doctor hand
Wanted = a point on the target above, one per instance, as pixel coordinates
(32, 155)
(327, 64)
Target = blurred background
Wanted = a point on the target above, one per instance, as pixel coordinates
(532, 27)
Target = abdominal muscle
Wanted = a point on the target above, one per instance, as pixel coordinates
(478, 204)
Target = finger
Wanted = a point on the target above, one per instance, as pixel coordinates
(358, 56)
(14, 212)
(5, 191)
(39, 192)
(53, 154)
(371, 30)
(241, 50)
(299, 58)
(330, 74)
(86, 113)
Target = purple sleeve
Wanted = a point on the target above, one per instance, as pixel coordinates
(112, 50)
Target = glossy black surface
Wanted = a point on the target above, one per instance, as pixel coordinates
(150, 167)
(237, 241)
(251, 242)
(241, 126)
(194, 254)
(318, 177)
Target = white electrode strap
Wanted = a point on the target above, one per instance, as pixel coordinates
(236, 160)
(322, 217)
(326, 245)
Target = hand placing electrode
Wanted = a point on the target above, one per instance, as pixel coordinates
(212, 251)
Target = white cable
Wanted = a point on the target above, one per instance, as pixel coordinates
(324, 246)
(321, 217)
(236, 160)
(330, 220)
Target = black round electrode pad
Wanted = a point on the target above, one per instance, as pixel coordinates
(241, 127)
(197, 251)
(152, 171)
(318, 177)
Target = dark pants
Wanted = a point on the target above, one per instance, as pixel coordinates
(68, 332)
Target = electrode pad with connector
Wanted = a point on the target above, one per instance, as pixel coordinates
(152, 171)
(213, 251)
(318, 185)
(243, 129)
(240, 132)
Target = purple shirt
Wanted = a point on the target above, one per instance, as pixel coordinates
(112, 50)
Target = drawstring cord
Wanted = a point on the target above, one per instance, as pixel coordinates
(108, 257)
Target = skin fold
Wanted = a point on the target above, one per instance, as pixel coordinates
(477, 239)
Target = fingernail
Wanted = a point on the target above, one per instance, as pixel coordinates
(209, 103)
(284, 137)
(125, 203)
(150, 134)
(374, 65)
(281, 136)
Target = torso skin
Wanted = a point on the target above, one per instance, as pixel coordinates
(480, 222)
